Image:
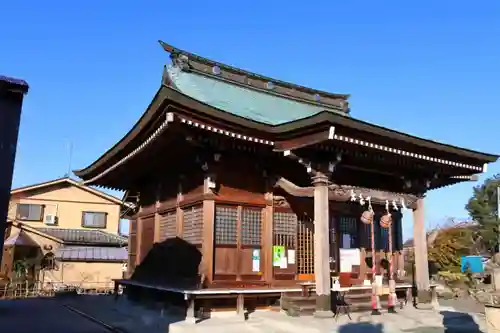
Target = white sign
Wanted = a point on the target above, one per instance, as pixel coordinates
(283, 262)
(291, 257)
(349, 258)
(256, 261)
(256, 266)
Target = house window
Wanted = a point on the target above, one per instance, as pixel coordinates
(94, 219)
(30, 212)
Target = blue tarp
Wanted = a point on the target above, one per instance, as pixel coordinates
(475, 264)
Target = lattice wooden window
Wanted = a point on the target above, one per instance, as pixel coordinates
(384, 239)
(305, 247)
(168, 225)
(132, 246)
(285, 229)
(251, 226)
(349, 226)
(192, 230)
(226, 220)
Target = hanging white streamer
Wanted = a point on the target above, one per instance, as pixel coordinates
(353, 196)
(403, 205)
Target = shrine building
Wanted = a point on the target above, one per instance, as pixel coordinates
(274, 183)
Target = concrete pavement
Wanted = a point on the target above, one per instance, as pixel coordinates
(134, 319)
(52, 315)
(43, 315)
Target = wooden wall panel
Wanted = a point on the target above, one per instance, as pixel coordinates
(192, 228)
(168, 225)
(225, 263)
(230, 194)
(147, 236)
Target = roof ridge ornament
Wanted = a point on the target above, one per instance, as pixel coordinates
(180, 60)
(206, 67)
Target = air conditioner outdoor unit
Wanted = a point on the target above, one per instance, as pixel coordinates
(50, 219)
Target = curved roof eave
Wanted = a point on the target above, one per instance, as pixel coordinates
(169, 93)
(146, 118)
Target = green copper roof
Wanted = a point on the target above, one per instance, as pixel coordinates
(241, 101)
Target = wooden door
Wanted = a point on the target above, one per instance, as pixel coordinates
(285, 238)
(238, 234)
(305, 250)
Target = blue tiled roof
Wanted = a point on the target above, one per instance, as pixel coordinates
(92, 253)
(85, 237)
(240, 101)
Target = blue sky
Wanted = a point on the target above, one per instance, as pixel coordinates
(429, 68)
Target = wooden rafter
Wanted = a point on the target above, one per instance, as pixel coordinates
(342, 193)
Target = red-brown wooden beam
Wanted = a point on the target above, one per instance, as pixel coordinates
(302, 141)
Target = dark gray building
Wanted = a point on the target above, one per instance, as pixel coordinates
(12, 92)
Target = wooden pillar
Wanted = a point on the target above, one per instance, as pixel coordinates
(420, 240)
(179, 213)
(207, 249)
(156, 238)
(267, 239)
(138, 237)
(321, 246)
(401, 261)
(208, 240)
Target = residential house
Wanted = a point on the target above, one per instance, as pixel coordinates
(66, 232)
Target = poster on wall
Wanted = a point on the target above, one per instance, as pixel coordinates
(349, 258)
(256, 261)
(279, 258)
(291, 257)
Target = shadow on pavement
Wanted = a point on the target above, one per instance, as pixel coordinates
(361, 328)
(459, 322)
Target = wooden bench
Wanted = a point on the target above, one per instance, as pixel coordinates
(306, 288)
(191, 295)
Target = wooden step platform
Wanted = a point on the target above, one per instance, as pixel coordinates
(359, 300)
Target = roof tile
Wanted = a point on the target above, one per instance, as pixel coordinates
(85, 237)
(90, 253)
(240, 101)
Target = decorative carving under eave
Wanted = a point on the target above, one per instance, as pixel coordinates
(343, 193)
(279, 201)
(317, 167)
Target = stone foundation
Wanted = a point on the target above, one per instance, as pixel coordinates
(425, 296)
